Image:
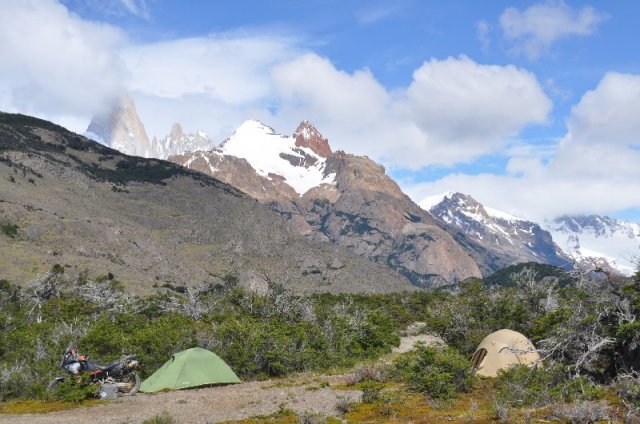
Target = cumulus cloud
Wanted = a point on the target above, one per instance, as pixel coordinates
(312, 84)
(534, 30)
(609, 113)
(475, 106)
(594, 168)
(55, 64)
(453, 111)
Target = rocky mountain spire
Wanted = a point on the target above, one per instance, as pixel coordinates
(308, 136)
(176, 132)
(120, 127)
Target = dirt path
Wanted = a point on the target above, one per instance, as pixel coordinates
(302, 394)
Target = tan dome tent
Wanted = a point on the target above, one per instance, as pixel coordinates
(502, 349)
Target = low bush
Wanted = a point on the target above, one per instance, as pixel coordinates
(581, 412)
(521, 386)
(74, 390)
(371, 392)
(437, 372)
(367, 372)
(9, 229)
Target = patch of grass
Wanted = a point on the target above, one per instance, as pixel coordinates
(286, 383)
(163, 418)
(401, 406)
(40, 406)
(281, 416)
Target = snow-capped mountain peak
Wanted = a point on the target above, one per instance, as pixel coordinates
(467, 206)
(297, 159)
(429, 202)
(177, 143)
(510, 238)
(595, 238)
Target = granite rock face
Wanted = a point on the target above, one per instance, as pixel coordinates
(120, 128)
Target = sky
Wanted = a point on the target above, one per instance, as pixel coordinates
(531, 107)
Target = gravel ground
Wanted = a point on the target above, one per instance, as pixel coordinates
(302, 393)
(407, 343)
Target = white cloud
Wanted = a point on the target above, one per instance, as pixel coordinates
(482, 31)
(453, 111)
(138, 8)
(58, 65)
(312, 84)
(205, 83)
(377, 13)
(465, 105)
(594, 169)
(231, 69)
(533, 31)
(55, 64)
(609, 114)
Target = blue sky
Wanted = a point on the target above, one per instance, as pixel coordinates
(529, 106)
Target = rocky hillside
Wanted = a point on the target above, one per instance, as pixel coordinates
(495, 238)
(337, 197)
(67, 200)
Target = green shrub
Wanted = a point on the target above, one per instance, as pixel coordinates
(74, 389)
(521, 386)
(438, 372)
(371, 392)
(9, 229)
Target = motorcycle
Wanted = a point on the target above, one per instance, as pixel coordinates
(119, 373)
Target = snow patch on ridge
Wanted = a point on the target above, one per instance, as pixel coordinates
(495, 213)
(434, 200)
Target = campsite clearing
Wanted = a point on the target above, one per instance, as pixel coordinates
(303, 393)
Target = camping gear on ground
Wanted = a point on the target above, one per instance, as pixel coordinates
(119, 373)
(502, 349)
(108, 391)
(190, 368)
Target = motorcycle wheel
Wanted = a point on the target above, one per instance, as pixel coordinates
(53, 384)
(131, 384)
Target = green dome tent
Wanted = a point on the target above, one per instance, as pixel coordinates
(190, 368)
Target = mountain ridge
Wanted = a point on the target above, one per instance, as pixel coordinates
(84, 206)
(336, 197)
(509, 239)
(295, 175)
(598, 241)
